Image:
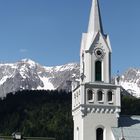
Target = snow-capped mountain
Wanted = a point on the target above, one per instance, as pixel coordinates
(27, 74)
(130, 81)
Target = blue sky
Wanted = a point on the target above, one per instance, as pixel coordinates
(49, 31)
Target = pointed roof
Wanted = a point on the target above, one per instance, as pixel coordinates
(95, 23)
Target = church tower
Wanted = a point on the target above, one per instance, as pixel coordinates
(95, 101)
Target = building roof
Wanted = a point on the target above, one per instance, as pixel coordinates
(129, 128)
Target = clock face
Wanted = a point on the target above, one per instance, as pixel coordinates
(99, 53)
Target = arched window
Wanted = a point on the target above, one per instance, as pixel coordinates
(89, 94)
(109, 96)
(99, 134)
(100, 95)
(77, 133)
(98, 71)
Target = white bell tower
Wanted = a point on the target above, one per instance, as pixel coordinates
(95, 101)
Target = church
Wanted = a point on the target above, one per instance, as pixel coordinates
(96, 102)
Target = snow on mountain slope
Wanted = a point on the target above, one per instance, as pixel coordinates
(130, 81)
(47, 84)
(132, 88)
(27, 74)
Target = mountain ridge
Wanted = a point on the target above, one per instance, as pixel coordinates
(26, 74)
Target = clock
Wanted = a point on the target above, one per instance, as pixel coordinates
(99, 53)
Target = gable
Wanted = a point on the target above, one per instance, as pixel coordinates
(97, 40)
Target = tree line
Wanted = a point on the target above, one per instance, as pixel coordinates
(37, 114)
(41, 113)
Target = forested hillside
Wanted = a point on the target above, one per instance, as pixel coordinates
(130, 105)
(37, 113)
(46, 113)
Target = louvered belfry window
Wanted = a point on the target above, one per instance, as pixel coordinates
(98, 71)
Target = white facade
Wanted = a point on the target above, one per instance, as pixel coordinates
(95, 102)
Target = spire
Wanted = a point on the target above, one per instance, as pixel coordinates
(95, 23)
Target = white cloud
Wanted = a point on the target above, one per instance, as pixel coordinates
(23, 50)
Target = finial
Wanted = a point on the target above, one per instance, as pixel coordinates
(118, 77)
(122, 138)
